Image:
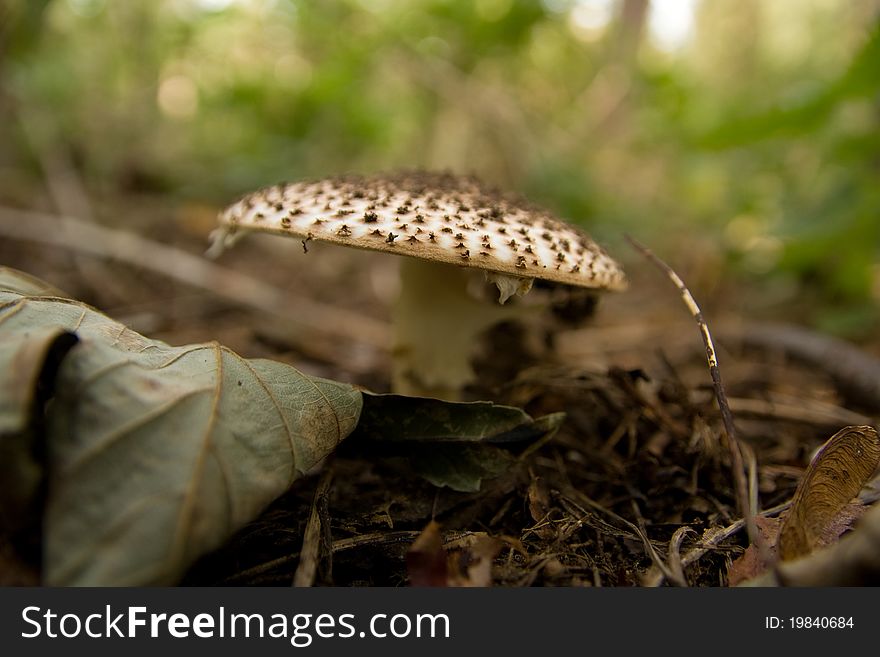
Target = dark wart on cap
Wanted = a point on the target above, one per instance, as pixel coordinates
(449, 226)
(438, 217)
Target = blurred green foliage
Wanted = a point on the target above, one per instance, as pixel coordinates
(757, 134)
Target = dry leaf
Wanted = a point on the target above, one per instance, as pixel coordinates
(539, 508)
(472, 567)
(156, 454)
(426, 558)
(836, 474)
(750, 564)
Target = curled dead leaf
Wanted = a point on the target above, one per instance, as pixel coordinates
(154, 454)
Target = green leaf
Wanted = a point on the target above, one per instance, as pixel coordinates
(158, 453)
(391, 417)
(861, 79)
(453, 444)
(459, 466)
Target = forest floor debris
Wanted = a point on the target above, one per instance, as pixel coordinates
(632, 490)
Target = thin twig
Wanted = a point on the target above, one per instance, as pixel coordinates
(343, 544)
(743, 498)
(671, 575)
(573, 495)
(315, 535)
(673, 555)
(656, 577)
(802, 411)
(192, 270)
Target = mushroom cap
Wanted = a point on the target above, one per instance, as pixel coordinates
(439, 217)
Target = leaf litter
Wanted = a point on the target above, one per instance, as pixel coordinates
(155, 454)
(638, 442)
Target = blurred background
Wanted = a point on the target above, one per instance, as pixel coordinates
(739, 138)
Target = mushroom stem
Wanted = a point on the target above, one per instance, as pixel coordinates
(437, 324)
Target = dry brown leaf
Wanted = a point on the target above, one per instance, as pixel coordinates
(750, 564)
(426, 558)
(154, 454)
(472, 567)
(842, 523)
(539, 508)
(837, 472)
(465, 561)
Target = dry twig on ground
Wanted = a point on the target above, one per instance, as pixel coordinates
(745, 497)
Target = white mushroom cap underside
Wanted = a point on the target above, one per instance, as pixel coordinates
(435, 216)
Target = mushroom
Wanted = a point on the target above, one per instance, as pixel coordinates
(448, 226)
